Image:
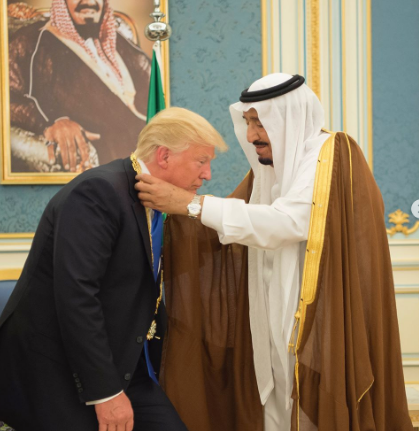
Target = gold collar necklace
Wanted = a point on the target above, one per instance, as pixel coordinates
(153, 328)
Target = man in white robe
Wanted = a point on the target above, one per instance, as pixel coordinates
(279, 126)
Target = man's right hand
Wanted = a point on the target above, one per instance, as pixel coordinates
(115, 414)
(69, 137)
(162, 196)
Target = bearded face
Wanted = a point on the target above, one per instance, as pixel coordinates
(86, 16)
(257, 135)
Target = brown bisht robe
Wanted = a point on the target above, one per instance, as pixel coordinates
(349, 373)
(207, 366)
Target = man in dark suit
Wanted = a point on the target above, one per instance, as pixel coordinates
(74, 329)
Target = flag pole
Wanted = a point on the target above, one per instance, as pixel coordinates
(156, 31)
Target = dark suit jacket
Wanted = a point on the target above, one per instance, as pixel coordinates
(74, 327)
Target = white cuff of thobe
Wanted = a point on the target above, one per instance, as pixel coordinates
(212, 213)
(91, 403)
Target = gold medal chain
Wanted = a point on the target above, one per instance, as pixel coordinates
(153, 328)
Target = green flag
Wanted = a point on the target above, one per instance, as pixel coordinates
(155, 94)
(156, 101)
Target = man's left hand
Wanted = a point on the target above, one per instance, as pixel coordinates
(159, 195)
(115, 414)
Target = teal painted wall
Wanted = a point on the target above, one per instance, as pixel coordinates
(215, 52)
(21, 206)
(395, 55)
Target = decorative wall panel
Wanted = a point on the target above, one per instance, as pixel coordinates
(329, 43)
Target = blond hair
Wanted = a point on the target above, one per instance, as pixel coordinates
(177, 129)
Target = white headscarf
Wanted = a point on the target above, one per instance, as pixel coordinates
(293, 123)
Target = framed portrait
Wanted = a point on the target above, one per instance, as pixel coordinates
(74, 85)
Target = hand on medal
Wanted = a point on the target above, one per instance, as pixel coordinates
(162, 196)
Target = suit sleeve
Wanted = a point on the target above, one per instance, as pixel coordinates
(87, 227)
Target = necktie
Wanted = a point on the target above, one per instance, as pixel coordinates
(156, 239)
(156, 244)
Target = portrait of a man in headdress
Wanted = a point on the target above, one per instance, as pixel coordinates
(78, 86)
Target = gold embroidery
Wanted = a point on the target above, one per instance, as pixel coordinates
(317, 222)
(152, 331)
(350, 167)
(314, 250)
(153, 328)
(362, 396)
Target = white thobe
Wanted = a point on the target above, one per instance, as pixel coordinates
(269, 228)
(275, 226)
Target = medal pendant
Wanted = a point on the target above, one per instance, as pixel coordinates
(152, 331)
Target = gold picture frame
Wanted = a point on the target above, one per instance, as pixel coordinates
(128, 14)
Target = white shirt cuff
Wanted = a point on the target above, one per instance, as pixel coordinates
(212, 213)
(91, 403)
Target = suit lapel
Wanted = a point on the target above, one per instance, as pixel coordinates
(139, 210)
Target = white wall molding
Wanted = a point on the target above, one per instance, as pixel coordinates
(329, 43)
